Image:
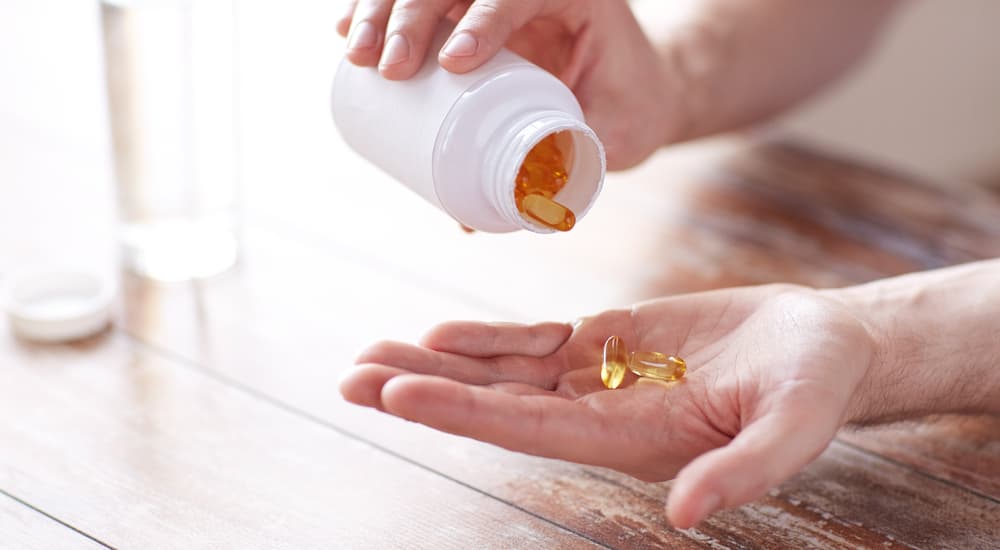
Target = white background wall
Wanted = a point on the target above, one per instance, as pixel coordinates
(927, 100)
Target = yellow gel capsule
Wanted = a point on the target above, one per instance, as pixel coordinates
(615, 363)
(535, 178)
(548, 212)
(542, 175)
(656, 365)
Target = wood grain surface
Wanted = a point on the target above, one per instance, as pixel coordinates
(26, 528)
(116, 440)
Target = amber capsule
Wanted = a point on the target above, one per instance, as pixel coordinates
(656, 365)
(541, 177)
(615, 363)
(548, 212)
(548, 150)
(534, 177)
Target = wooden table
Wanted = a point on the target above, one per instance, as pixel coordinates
(208, 415)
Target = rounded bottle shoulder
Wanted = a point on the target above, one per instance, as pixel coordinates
(489, 131)
(458, 139)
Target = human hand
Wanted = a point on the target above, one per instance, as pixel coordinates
(773, 372)
(594, 46)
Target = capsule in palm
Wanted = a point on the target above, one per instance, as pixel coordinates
(652, 364)
(615, 363)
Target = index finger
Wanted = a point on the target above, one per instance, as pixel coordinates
(493, 339)
(472, 370)
(542, 425)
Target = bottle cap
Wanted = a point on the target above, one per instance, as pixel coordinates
(56, 305)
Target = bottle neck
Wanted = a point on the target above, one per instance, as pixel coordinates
(585, 165)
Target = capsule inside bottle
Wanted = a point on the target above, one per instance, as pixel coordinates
(542, 175)
(549, 212)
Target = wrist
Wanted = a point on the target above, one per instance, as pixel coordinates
(937, 343)
(873, 400)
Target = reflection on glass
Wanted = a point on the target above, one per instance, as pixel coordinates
(170, 77)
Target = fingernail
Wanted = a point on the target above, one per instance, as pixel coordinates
(709, 504)
(363, 37)
(462, 44)
(397, 50)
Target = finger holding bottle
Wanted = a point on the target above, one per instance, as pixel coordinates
(396, 35)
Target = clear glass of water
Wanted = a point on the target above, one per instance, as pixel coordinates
(170, 72)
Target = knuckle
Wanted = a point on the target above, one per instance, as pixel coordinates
(372, 10)
(406, 10)
(488, 16)
(409, 13)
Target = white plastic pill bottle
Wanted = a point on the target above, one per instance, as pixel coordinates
(459, 140)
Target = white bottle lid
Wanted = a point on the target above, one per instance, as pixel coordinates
(57, 305)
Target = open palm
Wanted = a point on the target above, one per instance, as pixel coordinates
(771, 374)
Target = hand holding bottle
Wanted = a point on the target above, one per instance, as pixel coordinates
(594, 46)
(715, 65)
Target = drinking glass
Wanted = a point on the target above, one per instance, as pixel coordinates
(170, 73)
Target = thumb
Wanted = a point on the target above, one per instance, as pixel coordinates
(768, 451)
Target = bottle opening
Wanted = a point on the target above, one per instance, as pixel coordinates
(542, 175)
(555, 180)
